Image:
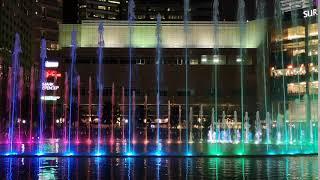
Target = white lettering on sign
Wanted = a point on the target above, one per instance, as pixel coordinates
(310, 13)
(49, 87)
(51, 64)
(50, 98)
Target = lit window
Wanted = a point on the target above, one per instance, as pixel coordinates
(102, 7)
(114, 2)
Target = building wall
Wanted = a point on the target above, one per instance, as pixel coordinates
(15, 18)
(47, 15)
(144, 34)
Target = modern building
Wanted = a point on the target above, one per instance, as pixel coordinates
(201, 62)
(47, 15)
(290, 5)
(294, 66)
(15, 17)
(100, 9)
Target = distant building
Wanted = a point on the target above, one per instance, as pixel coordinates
(47, 15)
(201, 61)
(290, 5)
(15, 17)
(99, 9)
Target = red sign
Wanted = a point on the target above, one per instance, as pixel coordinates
(53, 73)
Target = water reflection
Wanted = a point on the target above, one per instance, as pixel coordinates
(303, 167)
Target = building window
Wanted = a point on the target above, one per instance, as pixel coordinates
(102, 7)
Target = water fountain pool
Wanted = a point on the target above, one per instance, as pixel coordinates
(269, 133)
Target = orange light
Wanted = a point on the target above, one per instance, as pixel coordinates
(290, 66)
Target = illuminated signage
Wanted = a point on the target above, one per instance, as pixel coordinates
(49, 86)
(53, 73)
(310, 13)
(50, 98)
(51, 64)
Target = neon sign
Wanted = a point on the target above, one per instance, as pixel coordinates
(53, 73)
(49, 86)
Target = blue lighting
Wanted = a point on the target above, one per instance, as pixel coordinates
(69, 154)
(39, 154)
(99, 153)
(158, 153)
(130, 154)
(11, 154)
(189, 154)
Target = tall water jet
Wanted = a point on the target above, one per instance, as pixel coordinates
(279, 126)
(241, 19)
(122, 115)
(66, 100)
(262, 52)
(43, 57)
(100, 84)
(191, 125)
(224, 126)
(258, 129)
(169, 123)
(133, 118)
(158, 64)
(279, 47)
(215, 20)
(90, 110)
(318, 79)
(131, 21)
(212, 127)
(113, 101)
(201, 121)
(20, 96)
(9, 100)
(32, 90)
(53, 111)
(72, 78)
(180, 125)
(212, 132)
(268, 128)
(146, 119)
(237, 131)
(186, 61)
(78, 109)
(14, 91)
(246, 128)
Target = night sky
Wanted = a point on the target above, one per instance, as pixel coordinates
(228, 8)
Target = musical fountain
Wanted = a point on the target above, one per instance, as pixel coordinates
(269, 133)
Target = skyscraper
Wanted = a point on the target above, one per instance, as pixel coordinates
(47, 15)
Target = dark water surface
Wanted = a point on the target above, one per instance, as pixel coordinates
(293, 167)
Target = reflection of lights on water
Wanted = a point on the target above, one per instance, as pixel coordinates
(57, 147)
(23, 148)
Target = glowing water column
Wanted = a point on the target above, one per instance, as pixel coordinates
(100, 82)
(131, 19)
(13, 88)
(318, 78)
